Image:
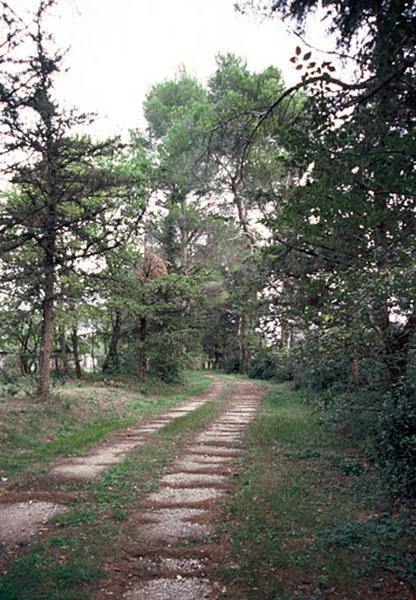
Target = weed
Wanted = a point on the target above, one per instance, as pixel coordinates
(118, 514)
(350, 466)
(76, 517)
(40, 576)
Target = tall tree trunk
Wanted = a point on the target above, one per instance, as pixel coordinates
(142, 349)
(111, 362)
(242, 212)
(62, 340)
(184, 241)
(93, 352)
(64, 355)
(184, 237)
(22, 365)
(74, 337)
(242, 340)
(251, 243)
(286, 334)
(47, 333)
(24, 361)
(24, 349)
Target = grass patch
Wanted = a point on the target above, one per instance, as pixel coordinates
(41, 576)
(308, 519)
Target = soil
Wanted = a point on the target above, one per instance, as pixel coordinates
(21, 520)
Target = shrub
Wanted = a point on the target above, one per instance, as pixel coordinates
(270, 363)
(319, 361)
(9, 385)
(396, 438)
(231, 364)
(166, 367)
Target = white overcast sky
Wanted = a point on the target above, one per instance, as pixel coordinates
(119, 48)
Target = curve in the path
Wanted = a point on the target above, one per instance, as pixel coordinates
(170, 559)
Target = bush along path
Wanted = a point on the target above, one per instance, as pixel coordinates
(23, 513)
(172, 550)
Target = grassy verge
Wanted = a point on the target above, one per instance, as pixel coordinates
(308, 519)
(78, 416)
(70, 561)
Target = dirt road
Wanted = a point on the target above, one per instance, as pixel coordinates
(175, 550)
(22, 515)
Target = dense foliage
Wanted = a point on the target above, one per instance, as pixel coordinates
(344, 238)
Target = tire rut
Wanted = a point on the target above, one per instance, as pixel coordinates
(174, 550)
(103, 457)
(22, 517)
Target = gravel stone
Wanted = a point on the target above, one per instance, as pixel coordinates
(184, 496)
(191, 588)
(19, 521)
(191, 478)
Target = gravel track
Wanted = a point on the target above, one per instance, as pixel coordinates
(173, 553)
(21, 519)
